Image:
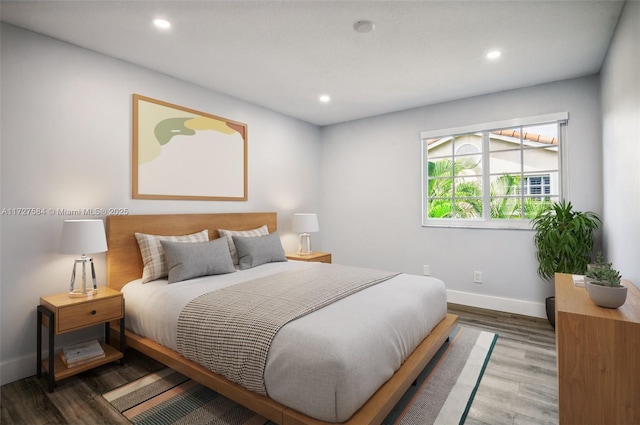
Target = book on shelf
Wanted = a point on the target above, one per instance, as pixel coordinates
(73, 355)
(79, 362)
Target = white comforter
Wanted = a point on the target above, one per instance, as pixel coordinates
(327, 363)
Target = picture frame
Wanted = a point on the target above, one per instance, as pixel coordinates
(184, 154)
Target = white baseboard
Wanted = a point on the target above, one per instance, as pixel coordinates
(508, 305)
(19, 368)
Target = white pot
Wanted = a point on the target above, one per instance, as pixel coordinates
(607, 296)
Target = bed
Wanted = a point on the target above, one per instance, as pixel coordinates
(124, 265)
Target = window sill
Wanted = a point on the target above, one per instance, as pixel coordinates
(479, 224)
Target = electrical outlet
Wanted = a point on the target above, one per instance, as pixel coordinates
(477, 277)
(426, 270)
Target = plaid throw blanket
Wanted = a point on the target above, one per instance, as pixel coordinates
(229, 331)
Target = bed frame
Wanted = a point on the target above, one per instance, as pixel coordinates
(124, 264)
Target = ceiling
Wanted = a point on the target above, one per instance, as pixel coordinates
(284, 54)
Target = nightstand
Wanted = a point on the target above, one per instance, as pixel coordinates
(317, 257)
(61, 314)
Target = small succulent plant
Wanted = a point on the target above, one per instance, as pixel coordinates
(603, 274)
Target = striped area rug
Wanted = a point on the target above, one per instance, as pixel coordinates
(445, 389)
(442, 395)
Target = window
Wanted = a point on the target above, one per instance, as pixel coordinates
(538, 185)
(497, 175)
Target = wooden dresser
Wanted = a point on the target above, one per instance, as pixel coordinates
(598, 357)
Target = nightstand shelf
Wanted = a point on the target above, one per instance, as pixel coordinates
(317, 257)
(61, 371)
(61, 314)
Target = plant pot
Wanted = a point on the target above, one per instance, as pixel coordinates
(550, 305)
(607, 296)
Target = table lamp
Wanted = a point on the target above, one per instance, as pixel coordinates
(305, 224)
(83, 237)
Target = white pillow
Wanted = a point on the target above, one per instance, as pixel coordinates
(229, 234)
(153, 258)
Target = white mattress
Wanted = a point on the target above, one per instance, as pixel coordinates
(327, 363)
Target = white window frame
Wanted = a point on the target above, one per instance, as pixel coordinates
(560, 118)
(543, 186)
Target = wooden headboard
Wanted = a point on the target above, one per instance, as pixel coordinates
(124, 262)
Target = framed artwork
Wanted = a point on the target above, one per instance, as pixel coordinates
(181, 153)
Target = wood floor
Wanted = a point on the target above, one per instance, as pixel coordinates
(519, 385)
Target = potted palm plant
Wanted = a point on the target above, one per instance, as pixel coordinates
(564, 241)
(603, 284)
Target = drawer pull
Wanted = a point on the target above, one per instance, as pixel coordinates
(93, 312)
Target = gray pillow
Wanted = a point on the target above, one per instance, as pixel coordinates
(260, 231)
(253, 251)
(195, 259)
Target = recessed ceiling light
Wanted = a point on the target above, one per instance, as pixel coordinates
(364, 26)
(324, 98)
(494, 54)
(162, 23)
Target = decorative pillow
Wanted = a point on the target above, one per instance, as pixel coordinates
(253, 251)
(260, 231)
(189, 260)
(153, 258)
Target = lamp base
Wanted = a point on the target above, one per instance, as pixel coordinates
(304, 247)
(80, 294)
(83, 291)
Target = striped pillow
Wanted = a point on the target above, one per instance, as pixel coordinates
(153, 257)
(260, 231)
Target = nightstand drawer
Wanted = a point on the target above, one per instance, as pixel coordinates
(88, 314)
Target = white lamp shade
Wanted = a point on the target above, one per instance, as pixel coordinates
(305, 223)
(83, 237)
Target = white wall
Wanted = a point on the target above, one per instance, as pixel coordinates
(66, 143)
(371, 195)
(621, 145)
